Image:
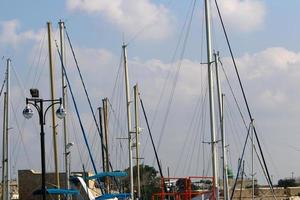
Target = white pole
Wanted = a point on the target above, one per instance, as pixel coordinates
(211, 99)
(64, 98)
(7, 126)
(3, 183)
(225, 168)
(128, 102)
(137, 133)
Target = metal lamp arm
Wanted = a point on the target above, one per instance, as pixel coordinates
(35, 105)
(52, 104)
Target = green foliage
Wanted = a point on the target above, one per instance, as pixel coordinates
(230, 173)
(150, 182)
(289, 182)
(250, 186)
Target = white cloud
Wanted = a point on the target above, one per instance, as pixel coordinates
(272, 99)
(10, 36)
(129, 16)
(244, 15)
(267, 63)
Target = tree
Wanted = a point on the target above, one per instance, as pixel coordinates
(288, 182)
(150, 182)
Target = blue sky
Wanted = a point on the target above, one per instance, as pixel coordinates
(264, 35)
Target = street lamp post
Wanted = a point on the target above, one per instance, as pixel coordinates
(38, 103)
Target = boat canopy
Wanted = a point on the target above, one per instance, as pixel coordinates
(55, 191)
(111, 196)
(108, 174)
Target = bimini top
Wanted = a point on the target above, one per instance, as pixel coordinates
(111, 196)
(55, 191)
(108, 174)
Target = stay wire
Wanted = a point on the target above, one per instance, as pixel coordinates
(245, 99)
(240, 163)
(116, 79)
(77, 111)
(2, 87)
(20, 131)
(118, 120)
(150, 134)
(85, 90)
(166, 80)
(233, 95)
(176, 76)
(142, 30)
(83, 84)
(20, 84)
(187, 135)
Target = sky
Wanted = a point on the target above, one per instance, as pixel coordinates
(264, 35)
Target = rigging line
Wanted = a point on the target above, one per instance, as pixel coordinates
(18, 81)
(234, 97)
(38, 72)
(166, 79)
(76, 139)
(188, 132)
(244, 95)
(196, 139)
(3, 84)
(169, 74)
(83, 84)
(86, 93)
(264, 172)
(240, 163)
(138, 33)
(149, 130)
(114, 114)
(41, 43)
(268, 152)
(76, 109)
(176, 76)
(232, 125)
(21, 136)
(201, 125)
(116, 79)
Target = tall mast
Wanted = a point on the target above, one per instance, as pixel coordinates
(137, 141)
(101, 138)
(105, 120)
(5, 184)
(8, 62)
(222, 129)
(128, 119)
(64, 98)
(52, 108)
(211, 98)
(225, 167)
(252, 158)
(4, 161)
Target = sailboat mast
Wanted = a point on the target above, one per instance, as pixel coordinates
(225, 167)
(52, 108)
(211, 98)
(222, 127)
(137, 141)
(8, 62)
(102, 139)
(105, 121)
(128, 119)
(252, 163)
(4, 166)
(5, 184)
(64, 98)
